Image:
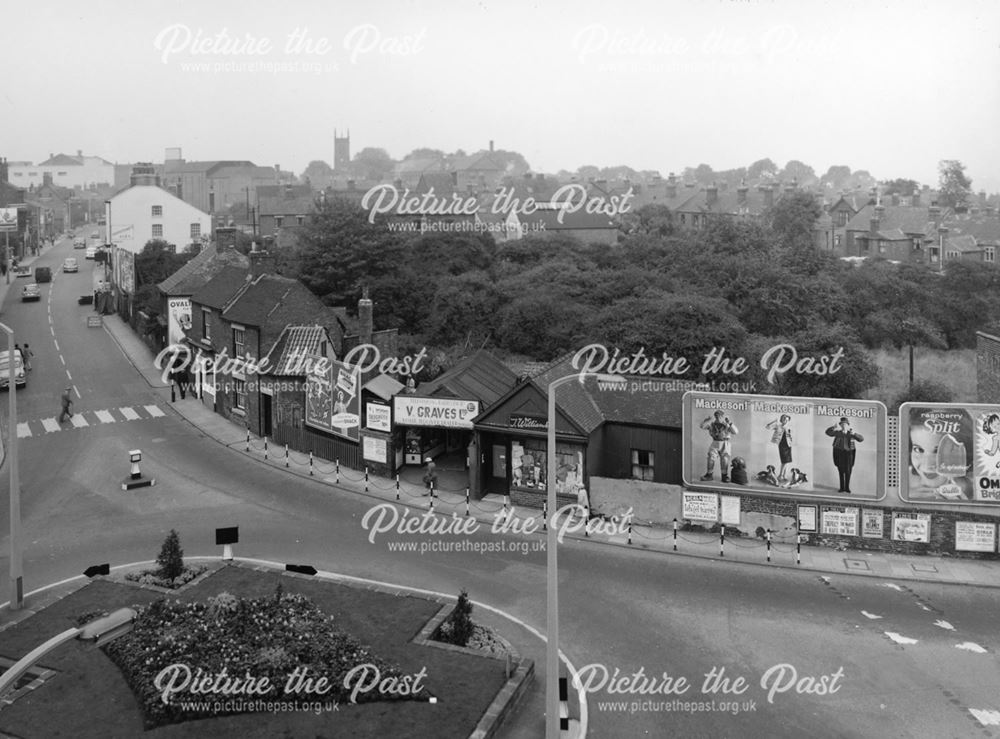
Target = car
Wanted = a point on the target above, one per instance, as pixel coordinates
(95, 234)
(31, 291)
(19, 376)
(79, 243)
(90, 253)
(70, 265)
(43, 274)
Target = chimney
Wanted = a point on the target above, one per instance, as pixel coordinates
(261, 262)
(934, 213)
(365, 318)
(491, 145)
(916, 199)
(671, 186)
(711, 194)
(768, 196)
(943, 233)
(741, 194)
(225, 236)
(876, 219)
(79, 152)
(143, 173)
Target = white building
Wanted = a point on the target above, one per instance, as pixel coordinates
(145, 211)
(66, 170)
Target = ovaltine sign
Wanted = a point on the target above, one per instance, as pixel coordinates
(440, 412)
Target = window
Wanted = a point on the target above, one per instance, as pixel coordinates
(157, 230)
(195, 230)
(642, 464)
(881, 247)
(239, 341)
(278, 220)
(239, 394)
(300, 219)
(836, 240)
(61, 174)
(529, 466)
(206, 324)
(157, 211)
(989, 254)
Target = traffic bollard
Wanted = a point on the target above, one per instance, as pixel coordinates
(338, 472)
(310, 463)
(769, 545)
(467, 514)
(286, 455)
(397, 486)
(265, 447)
(722, 541)
(366, 479)
(675, 534)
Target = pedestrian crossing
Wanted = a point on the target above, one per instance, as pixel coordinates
(84, 419)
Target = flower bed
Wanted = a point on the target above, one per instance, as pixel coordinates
(153, 577)
(223, 644)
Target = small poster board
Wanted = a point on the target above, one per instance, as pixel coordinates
(730, 510)
(95, 321)
(911, 527)
(375, 449)
(872, 526)
(839, 521)
(975, 536)
(807, 518)
(700, 506)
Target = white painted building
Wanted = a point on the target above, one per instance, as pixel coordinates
(145, 211)
(66, 170)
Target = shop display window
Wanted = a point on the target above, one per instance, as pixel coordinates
(529, 466)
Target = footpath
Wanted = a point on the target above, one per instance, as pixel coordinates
(452, 497)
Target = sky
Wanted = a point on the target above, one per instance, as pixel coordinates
(889, 87)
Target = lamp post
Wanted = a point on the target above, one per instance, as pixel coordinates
(16, 565)
(552, 569)
(107, 239)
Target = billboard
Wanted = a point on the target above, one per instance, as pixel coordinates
(949, 452)
(8, 219)
(333, 397)
(178, 319)
(785, 445)
(448, 413)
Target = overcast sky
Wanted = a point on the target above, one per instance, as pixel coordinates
(891, 87)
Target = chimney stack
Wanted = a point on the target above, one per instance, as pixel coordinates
(261, 262)
(916, 199)
(711, 194)
(934, 213)
(876, 219)
(671, 186)
(79, 152)
(365, 323)
(491, 145)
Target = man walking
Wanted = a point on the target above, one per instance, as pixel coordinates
(26, 355)
(67, 404)
(721, 429)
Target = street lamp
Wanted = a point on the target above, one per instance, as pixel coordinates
(16, 565)
(552, 569)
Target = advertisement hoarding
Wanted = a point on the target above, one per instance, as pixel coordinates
(178, 319)
(911, 527)
(449, 413)
(975, 536)
(949, 452)
(377, 417)
(785, 445)
(8, 219)
(839, 521)
(700, 506)
(333, 397)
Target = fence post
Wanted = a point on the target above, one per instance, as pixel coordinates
(338, 471)
(310, 463)
(506, 501)
(769, 545)
(432, 494)
(265, 447)
(722, 541)
(366, 478)
(545, 515)
(586, 523)
(467, 514)
(630, 532)
(248, 438)
(286, 454)
(675, 534)
(397, 486)
(798, 547)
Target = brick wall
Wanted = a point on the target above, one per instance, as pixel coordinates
(987, 368)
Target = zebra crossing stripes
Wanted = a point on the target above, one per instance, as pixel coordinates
(85, 419)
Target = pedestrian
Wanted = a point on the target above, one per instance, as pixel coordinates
(27, 354)
(67, 404)
(430, 475)
(844, 451)
(17, 348)
(182, 379)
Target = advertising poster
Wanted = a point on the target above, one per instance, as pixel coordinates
(377, 417)
(8, 219)
(333, 397)
(785, 445)
(975, 536)
(700, 506)
(839, 521)
(949, 453)
(807, 518)
(178, 319)
(730, 510)
(911, 527)
(375, 450)
(872, 523)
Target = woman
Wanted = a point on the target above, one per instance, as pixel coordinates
(781, 435)
(940, 447)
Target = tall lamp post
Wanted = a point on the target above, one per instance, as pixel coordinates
(552, 570)
(16, 565)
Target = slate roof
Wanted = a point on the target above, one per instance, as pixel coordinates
(61, 160)
(543, 221)
(297, 200)
(964, 244)
(220, 289)
(479, 162)
(202, 268)
(479, 376)
(641, 400)
(260, 297)
(442, 182)
(907, 219)
(728, 202)
(986, 229)
(293, 344)
(384, 386)
(572, 398)
(419, 165)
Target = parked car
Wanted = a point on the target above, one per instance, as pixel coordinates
(43, 274)
(90, 253)
(19, 377)
(70, 265)
(31, 291)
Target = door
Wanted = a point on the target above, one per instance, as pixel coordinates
(499, 467)
(266, 402)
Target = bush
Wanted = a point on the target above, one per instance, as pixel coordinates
(458, 627)
(922, 391)
(171, 559)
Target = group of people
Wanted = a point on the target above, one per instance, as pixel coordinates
(26, 354)
(722, 429)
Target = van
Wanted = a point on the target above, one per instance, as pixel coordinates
(19, 379)
(43, 274)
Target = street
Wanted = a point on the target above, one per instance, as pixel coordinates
(672, 646)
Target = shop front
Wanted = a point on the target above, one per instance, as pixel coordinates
(434, 427)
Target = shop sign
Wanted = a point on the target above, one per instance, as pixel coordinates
(377, 417)
(527, 421)
(434, 412)
(700, 506)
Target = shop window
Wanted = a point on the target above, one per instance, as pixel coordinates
(529, 466)
(642, 464)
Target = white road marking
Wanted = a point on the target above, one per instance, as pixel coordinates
(971, 647)
(129, 413)
(985, 716)
(50, 425)
(104, 416)
(79, 421)
(76, 391)
(899, 639)
(154, 410)
(62, 360)
(51, 329)
(23, 430)
(944, 625)
(54, 341)
(892, 585)
(870, 615)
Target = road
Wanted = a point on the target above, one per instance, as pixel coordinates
(848, 639)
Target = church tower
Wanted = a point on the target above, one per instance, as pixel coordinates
(341, 151)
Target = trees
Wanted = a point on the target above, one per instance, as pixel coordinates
(900, 186)
(317, 173)
(372, 164)
(954, 187)
(762, 169)
(171, 557)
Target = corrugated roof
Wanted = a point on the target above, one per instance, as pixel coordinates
(480, 376)
(200, 269)
(220, 289)
(293, 345)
